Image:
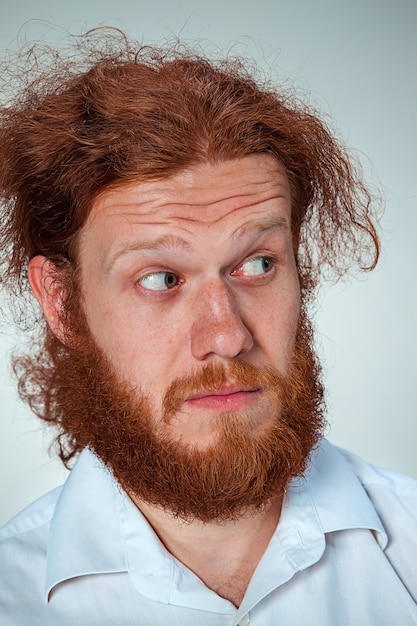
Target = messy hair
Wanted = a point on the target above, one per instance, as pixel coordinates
(114, 111)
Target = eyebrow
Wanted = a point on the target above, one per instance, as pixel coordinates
(174, 241)
(275, 222)
(165, 241)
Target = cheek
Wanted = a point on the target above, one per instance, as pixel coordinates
(276, 321)
(141, 347)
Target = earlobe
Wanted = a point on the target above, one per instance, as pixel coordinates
(48, 291)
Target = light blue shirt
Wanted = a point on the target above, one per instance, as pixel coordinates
(344, 554)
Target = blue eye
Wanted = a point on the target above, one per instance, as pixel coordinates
(257, 266)
(159, 281)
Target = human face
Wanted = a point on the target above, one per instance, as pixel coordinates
(191, 270)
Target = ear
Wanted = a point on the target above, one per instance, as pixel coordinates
(49, 292)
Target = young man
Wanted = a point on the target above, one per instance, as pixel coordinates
(172, 219)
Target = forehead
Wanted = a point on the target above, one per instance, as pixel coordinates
(250, 179)
(229, 196)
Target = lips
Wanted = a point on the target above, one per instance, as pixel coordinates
(223, 391)
(225, 398)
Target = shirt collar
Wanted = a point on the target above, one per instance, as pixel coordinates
(329, 498)
(338, 495)
(85, 535)
(96, 529)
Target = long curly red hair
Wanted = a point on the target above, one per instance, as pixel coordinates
(114, 112)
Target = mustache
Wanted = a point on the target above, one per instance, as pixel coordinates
(214, 376)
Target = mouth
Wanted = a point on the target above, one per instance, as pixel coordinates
(227, 398)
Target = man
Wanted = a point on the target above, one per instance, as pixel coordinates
(172, 219)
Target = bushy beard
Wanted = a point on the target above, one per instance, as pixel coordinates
(240, 471)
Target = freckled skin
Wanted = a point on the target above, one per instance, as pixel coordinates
(211, 226)
(218, 322)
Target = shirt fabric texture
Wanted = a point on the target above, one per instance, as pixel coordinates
(344, 554)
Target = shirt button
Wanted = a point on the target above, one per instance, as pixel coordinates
(244, 621)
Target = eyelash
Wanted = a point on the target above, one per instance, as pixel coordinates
(157, 274)
(271, 259)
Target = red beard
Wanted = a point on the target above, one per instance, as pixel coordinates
(241, 471)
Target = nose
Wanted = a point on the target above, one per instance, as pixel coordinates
(218, 327)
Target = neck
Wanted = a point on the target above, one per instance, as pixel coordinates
(224, 555)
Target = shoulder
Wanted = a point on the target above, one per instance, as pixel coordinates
(378, 481)
(23, 550)
(349, 492)
(360, 494)
(394, 498)
(38, 514)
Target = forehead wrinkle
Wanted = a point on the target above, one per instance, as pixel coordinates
(167, 198)
(170, 240)
(234, 205)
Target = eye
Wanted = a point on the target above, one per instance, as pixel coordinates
(255, 267)
(159, 281)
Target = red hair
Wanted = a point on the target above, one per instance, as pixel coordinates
(115, 113)
(120, 113)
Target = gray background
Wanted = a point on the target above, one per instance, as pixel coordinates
(358, 60)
